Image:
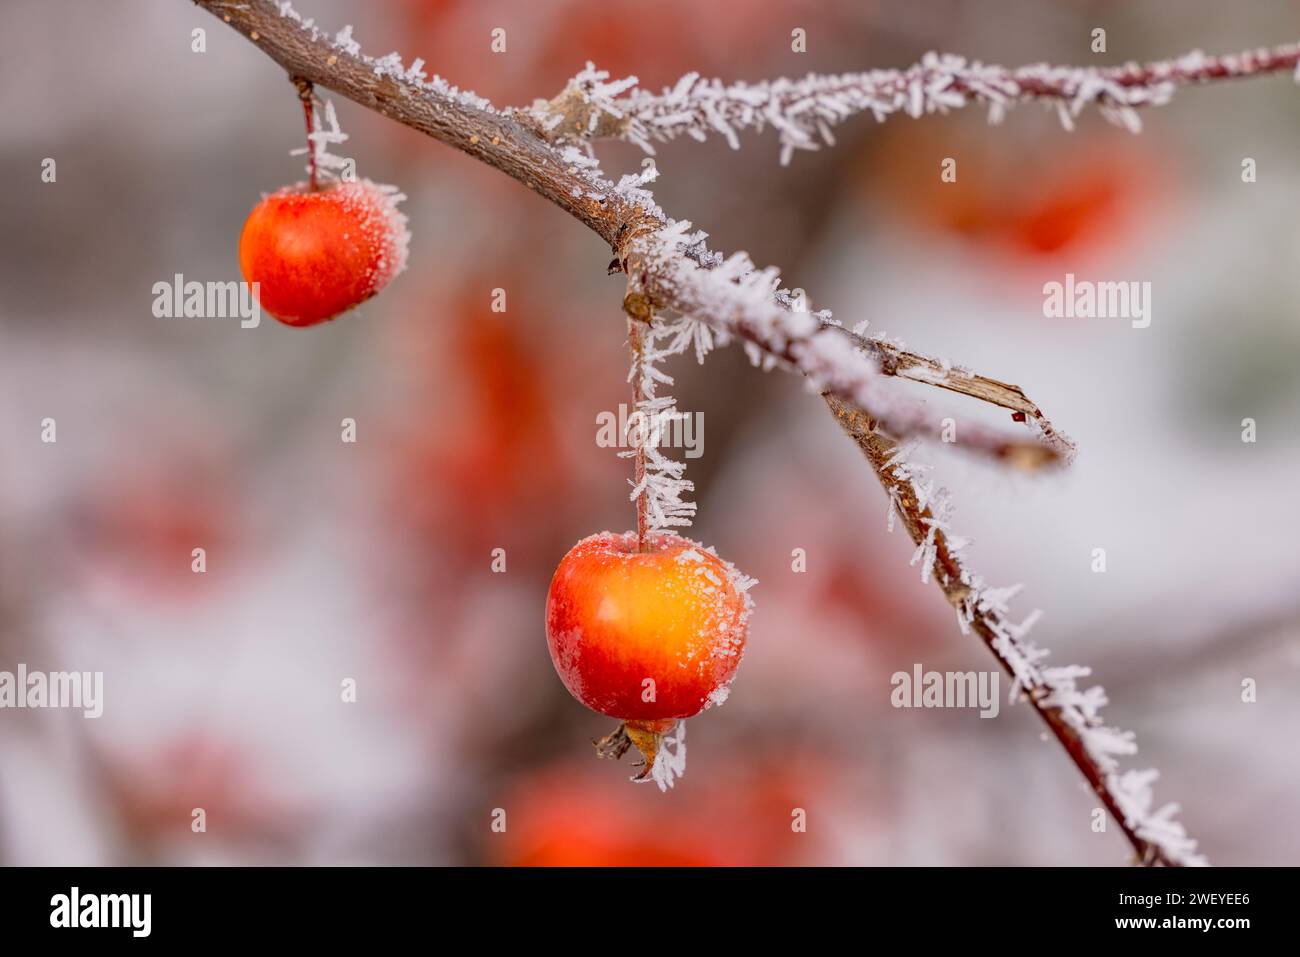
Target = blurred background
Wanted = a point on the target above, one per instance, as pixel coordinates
(476, 431)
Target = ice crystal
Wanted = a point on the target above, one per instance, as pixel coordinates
(670, 759)
(376, 204)
(321, 137)
(410, 80)
(662, 483)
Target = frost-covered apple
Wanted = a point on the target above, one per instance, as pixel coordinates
(646, 635)
(318, 253)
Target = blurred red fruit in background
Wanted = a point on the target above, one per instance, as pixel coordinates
(138, 533)
(482, 458)
(156, 792)
(1057, 198)
(566, 816)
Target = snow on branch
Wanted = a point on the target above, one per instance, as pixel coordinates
(804, 111)
(321, 136)
(739, 301)
(1052, 447)
(1071, 712)
(659, 484)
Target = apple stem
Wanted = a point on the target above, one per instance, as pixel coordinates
(305, 95)
(638, 396)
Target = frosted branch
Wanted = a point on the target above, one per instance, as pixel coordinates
(659, 482)
(805, 111)
(739, 301)
(1072, 713)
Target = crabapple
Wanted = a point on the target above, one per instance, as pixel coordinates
(648, 636)
(318, 253)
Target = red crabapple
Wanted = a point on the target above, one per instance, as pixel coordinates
(317, 253)
(648, 637)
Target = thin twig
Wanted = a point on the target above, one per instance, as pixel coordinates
(1053, 449)
(634, 341)
(676, 270)
(308, 107)
(436, 108)
(803, 111)
(998, 634)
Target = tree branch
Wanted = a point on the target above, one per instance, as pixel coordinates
(1073, 716)
(675, 269)
(897, 361)
(803, 111)
(434, 107)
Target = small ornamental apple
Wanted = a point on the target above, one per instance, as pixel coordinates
(649, 635)
(319, 252)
